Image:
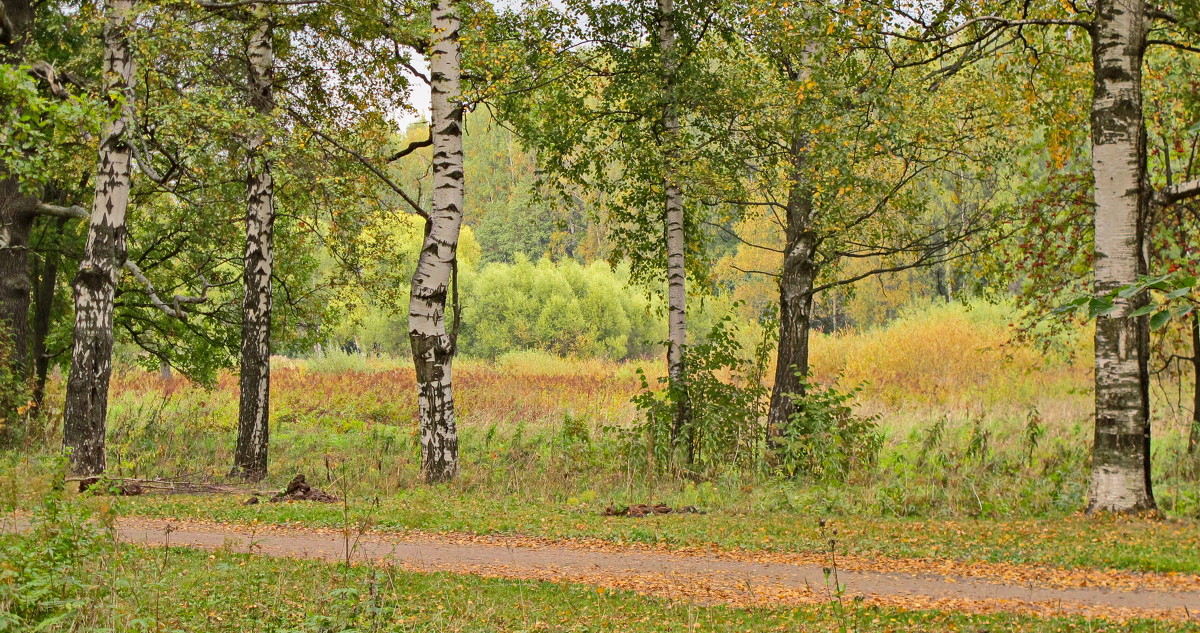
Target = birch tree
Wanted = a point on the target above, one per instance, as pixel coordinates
(1120, 32)
(673, 219)
(250, 456)
(841, 158)
(609, 105)
(84, 415)
(433, 343)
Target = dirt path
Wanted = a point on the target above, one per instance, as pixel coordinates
(703, 577)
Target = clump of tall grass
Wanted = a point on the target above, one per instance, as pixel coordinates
(957, 356)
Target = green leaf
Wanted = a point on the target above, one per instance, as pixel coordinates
(1144, 310)
(1160, 319)
(1098, 306)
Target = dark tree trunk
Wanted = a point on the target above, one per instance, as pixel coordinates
(17, 212)
(43, 311)
(86, 411)
(16, 216)
(795, 295)
(250, 455)
(1120, 480)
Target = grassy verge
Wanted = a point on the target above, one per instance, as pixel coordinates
(61, 583)
(1067, 541)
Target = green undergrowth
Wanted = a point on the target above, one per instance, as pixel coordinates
(998, 490)
(69, 575)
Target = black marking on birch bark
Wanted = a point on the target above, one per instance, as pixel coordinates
(1120, 479)
(432, 348)
(86, 409)
(251, 451)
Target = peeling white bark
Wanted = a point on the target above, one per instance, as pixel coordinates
(1120, 480)
(432, 345)
(85, 413)
(250, 454)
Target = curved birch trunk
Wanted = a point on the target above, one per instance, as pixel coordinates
(681, 433)
(250, 455)
(1120, 480)
(86, 409)
(432, 345)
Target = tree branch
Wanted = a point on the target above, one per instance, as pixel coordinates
(72, 212)
(363, 160)
(412, 147)
(177, 300)
(1177, 193)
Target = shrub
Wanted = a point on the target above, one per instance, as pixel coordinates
(726, 400)
(824, 437)
(44, 584)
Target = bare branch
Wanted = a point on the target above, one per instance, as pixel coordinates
(1177, 193)
(178, 300)
(995, 21)
(752, 271)
(75, 212)
(739, 238)
(364, 161)
(412, 147)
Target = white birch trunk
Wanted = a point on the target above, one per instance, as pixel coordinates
(432, 345)
(1120, 480)
(85, 413)
(674, 227)
(250, 454)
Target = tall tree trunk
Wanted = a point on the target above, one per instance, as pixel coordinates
(432, 345)
(16, 217)
(1120, 480)
(86, 410)
(1194, 434)
(795, 293)
(674, 229)
(43, 310)
(250, 456)
(16, 225)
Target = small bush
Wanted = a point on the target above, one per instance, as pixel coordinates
(44, 584)
(824, 437)
(726, 404)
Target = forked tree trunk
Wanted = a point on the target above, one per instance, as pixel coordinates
(84, 415)
(432, 345)
(795, 295)
(681, 433)
(250, 456)
(1120, 480)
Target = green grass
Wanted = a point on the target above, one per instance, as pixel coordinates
(128, 588)
(1068, 541)
(985, 454)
